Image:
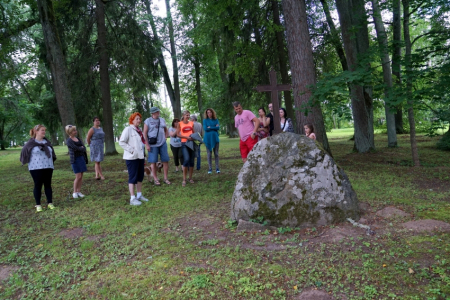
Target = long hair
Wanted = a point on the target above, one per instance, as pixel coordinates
(310, 126)
(133, 116)
(284, 110)
(36, 129)
(262, 109)
(213, 114)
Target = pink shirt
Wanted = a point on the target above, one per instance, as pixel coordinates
(244, 124)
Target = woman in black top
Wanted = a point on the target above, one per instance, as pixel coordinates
(78, 159)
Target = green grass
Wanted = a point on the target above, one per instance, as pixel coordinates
(181, 244)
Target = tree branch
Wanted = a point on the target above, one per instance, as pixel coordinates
(428, 33)
(21, 27)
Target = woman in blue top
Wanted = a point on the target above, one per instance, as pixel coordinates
(211, 138)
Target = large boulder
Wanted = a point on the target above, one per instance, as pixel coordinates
(289, 180)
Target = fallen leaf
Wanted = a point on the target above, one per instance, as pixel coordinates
(295, 287)
(384, 265)
(411, 271)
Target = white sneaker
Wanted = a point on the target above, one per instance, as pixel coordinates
(80, 195)
(75, 195)
(135, 202)
(142, 198)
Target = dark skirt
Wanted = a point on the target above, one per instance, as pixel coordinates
(79, 166)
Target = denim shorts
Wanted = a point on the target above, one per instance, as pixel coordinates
(161, 150)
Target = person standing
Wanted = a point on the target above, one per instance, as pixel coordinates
(269, 120)
(175, 144)
(155, 135)
(78, 159)
(263, 130)
(286, 123)
(211, 139)
(199, 129)
(247, 125)
(132, 141)
(184, 130)
(39, 154)
(96, 141)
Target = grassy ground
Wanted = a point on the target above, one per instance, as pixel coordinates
(181, 244)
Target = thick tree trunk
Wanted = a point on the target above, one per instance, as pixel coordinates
(396, 61)
(282, 58)
(335, 40)
(303, 68)
(57, 63)
(412, 123)
(198, 87)
(387, 75)
(107, 122)
(173, 53)
(352, 18)
(176, 104)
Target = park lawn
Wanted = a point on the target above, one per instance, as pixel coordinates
(182, 245)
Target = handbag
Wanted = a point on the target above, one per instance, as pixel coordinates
(153, 140)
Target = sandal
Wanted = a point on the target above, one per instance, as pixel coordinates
(166, 181)
(184, 183)
(156, 182)
(191, 181)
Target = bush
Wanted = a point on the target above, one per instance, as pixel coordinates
(444, 142)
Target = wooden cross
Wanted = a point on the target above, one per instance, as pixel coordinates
(274, 88)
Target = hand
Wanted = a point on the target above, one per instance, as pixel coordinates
(190, 139)
(217, 125)
(147, 147)
(208, 127)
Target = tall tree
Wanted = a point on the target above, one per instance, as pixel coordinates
(396, 59)
(110, 147)
(174, 101)
(353, 20)
(282, 56)
(302, 69)
(387, 74)
(56, 61)
(173, 54)
(408, 65)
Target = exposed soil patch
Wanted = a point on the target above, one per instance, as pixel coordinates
(391, 212)
(433, 185)
(314, 295)
(426, 225)
(73, 233)
(5, 271)
(95, 238)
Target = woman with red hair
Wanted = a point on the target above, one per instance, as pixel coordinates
(132, 141)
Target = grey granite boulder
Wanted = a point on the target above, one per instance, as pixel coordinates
(289, 180)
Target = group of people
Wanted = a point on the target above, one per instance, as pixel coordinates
(186, 136)
(252, 129)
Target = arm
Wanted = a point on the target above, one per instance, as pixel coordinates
(89, 135)
(206, 128)
(71, 145)
(267, 122)
(256, 124)
(217, 127)
(166, 132)
(123, 142)
(145, 133)
(173, 133)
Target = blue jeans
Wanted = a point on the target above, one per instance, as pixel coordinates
(199, 158)
(188, 156)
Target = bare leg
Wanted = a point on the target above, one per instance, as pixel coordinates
(100, 170)
(153, 167)
(139, 186)
(244, 160)
(185, 170)
(166, 169)
(96, 170)
(131, 188)
(191, 170)
(80, 181)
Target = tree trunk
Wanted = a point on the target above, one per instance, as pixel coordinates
(282, 58)
(198, 87)
(396, 61)
(387, 75)
(176, 104)
(303, 68)
(107, 122)
(334, 35)
(57, 63)
(53, 138)
(173, 54)
(352, 18)
(408, 67)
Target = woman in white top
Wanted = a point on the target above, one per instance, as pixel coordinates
(132, 141)
(38, 153)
